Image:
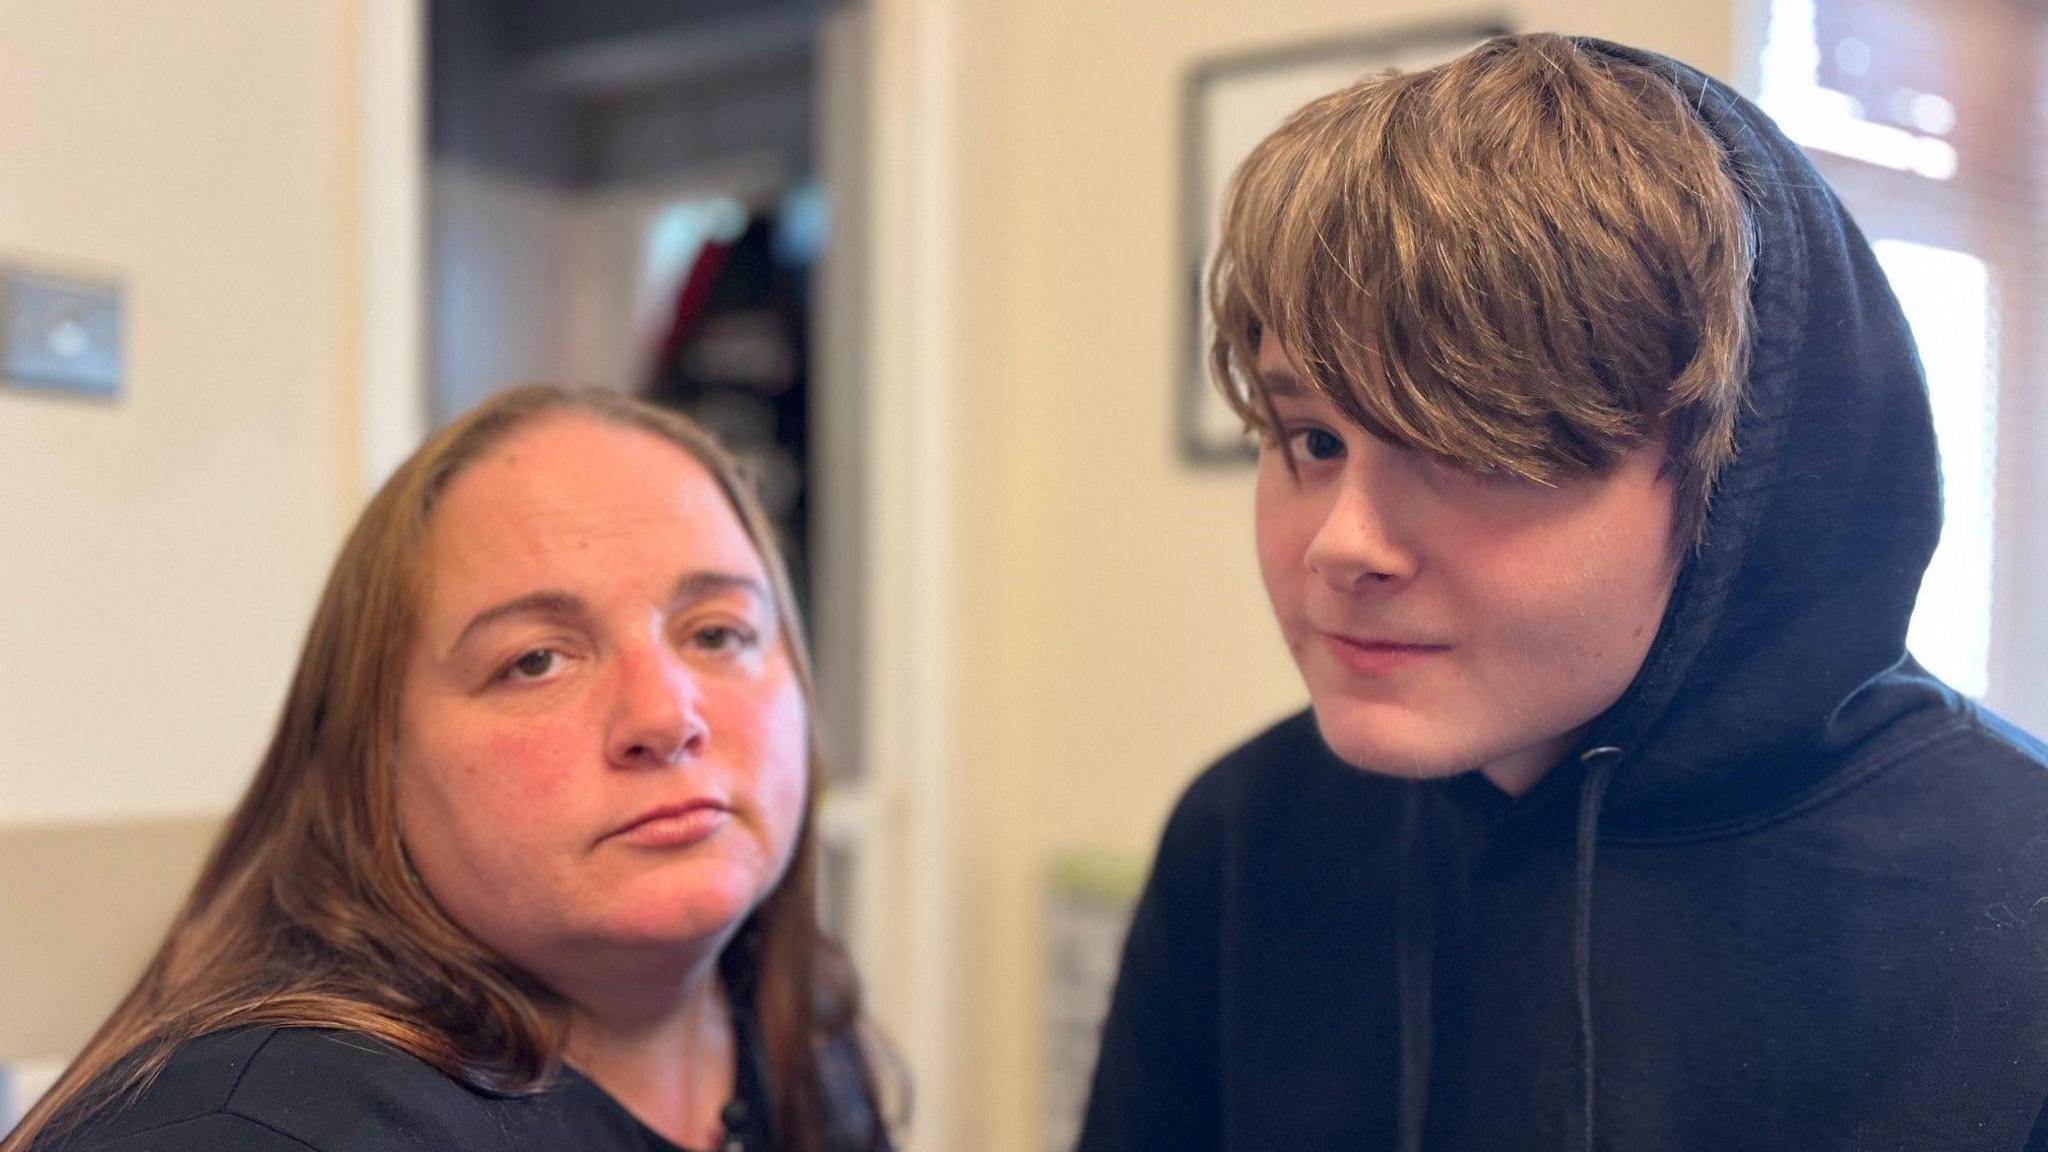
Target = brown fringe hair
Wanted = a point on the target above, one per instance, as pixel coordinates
(306, 913)
(1531, 260)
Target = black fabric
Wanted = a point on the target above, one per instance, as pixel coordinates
(267, 1089)
(1789, 892)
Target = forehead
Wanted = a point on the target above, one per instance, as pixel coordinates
(1275, 359)
(572, 499)
(1282, 371)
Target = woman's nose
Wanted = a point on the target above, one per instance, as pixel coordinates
(657, 718)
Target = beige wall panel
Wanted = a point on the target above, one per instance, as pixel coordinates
(86, 905)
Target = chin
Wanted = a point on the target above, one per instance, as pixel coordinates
(1391, 741)
(685, 913)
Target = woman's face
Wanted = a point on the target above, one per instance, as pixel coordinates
(602, 741)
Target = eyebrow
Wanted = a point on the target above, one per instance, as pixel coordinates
(1282, 383)
(690, 587)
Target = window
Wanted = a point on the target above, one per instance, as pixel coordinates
(1927, 116)
(1947, 299)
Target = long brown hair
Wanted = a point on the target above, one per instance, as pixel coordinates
(1531, 259)
(306, 913)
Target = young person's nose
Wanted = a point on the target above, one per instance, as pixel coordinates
(657, 716)
(1359, 545)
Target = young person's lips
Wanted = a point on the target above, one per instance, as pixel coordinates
(673, 825)
(1366, 656)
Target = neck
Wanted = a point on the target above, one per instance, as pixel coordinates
(667, 1056)
(1520, 771)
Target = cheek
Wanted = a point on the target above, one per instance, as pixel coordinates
(1634, 611)
(485, 783)
(1282, 526)
(1625, 601)
(528, 769)
(1596, 619)
(774, 753)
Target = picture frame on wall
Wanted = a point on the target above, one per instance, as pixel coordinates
(1229, 104)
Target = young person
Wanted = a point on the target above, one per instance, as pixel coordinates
(530, 863)
(1596, 482)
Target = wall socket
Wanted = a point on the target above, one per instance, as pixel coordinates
(60, 333)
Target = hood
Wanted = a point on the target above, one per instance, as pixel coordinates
(1784, 643)
(1795, 606)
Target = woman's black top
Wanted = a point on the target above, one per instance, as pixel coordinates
(271, 1089)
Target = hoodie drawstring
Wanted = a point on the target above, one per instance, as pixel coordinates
(1416, 939)
(1413, 963)
(1599, 764)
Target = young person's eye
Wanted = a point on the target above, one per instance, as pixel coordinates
(1314, 444)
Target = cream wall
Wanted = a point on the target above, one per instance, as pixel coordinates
(163, 551)
(1113, 633)
(160, 555)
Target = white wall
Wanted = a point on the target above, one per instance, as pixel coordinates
(501, 258)
(162, 552)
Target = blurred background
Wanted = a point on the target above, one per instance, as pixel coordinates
(929, 263)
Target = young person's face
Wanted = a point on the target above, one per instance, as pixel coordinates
(1446, 621)
(602, 744)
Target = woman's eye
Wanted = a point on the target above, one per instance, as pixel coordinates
(722, 638)
(532, 665)
(1316, 444)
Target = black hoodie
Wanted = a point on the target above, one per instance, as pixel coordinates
(1789, 892)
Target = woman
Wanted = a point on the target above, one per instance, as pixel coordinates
(529, 862)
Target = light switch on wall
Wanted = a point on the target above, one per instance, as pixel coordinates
(60, 332)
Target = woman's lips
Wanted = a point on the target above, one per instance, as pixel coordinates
(673, 825)
(1378, 657)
